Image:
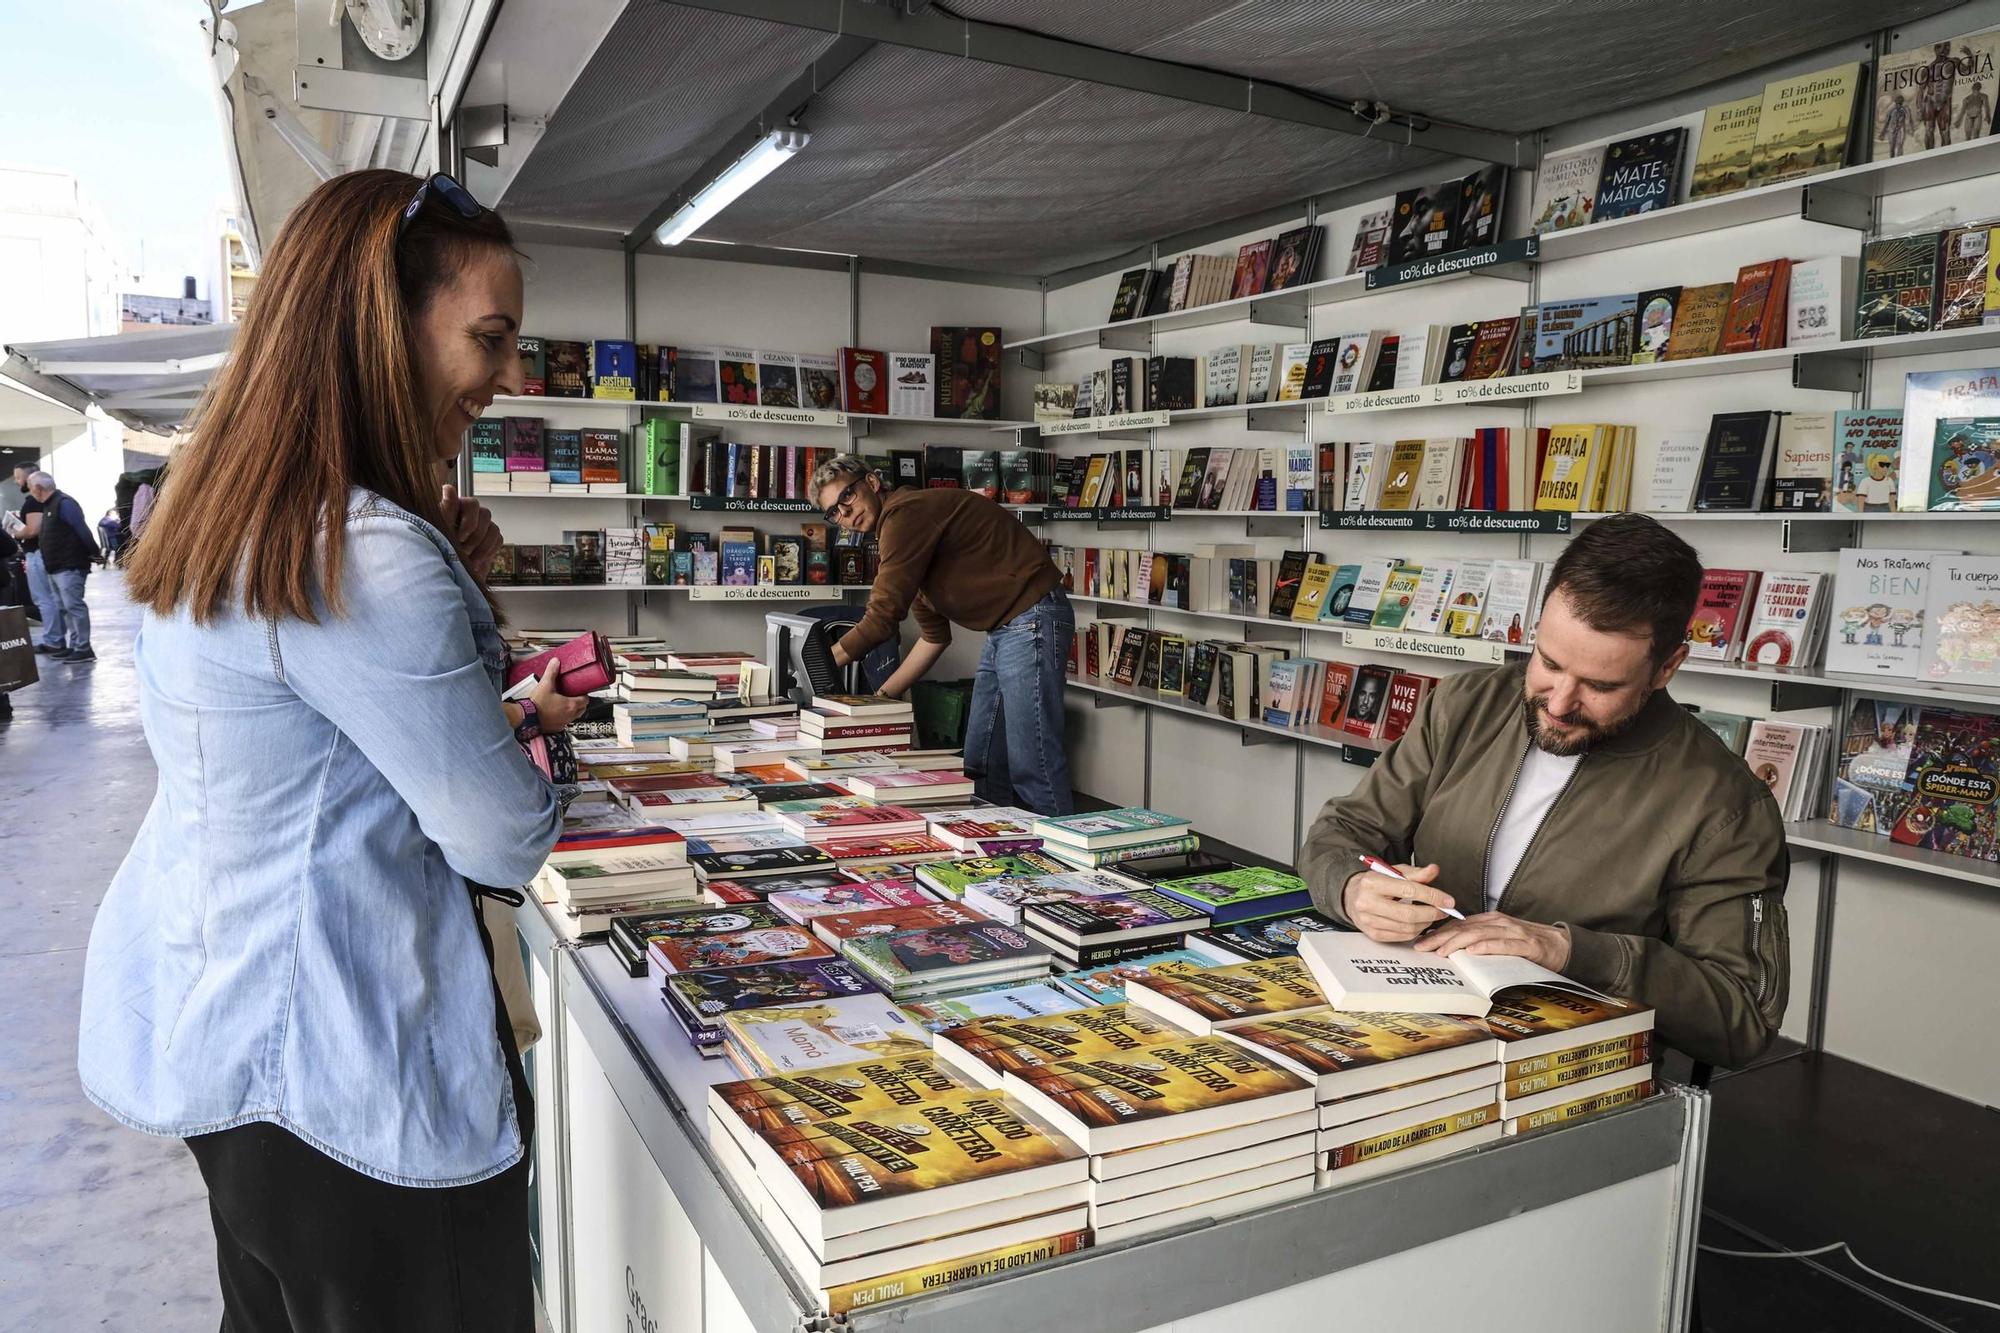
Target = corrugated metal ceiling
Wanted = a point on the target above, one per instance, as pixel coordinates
(930, 159)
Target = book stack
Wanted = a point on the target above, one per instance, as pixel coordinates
(1790, 759)
(1244, 894)
(909, 786)
(1107, 984)
(631, 935)
(1008, 897)
(1089, 929)
(873, 1181)
(1194, 1127)
(787, 1038)
(842, 722)
(1030, 1001)
(1263, 937)
(1217, 999)
(697, 1000)
(1106, 837)
(1514, 1002)
(925, 962)
(599, 875)
(952, 879)
(1566, 1055)
(653, 721)
(801, 905)
(845, 818)
(989, 830)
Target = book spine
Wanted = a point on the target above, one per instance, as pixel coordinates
(1363, 1150)
(948, 1273)
(1557, 1069)
(1582, 1108)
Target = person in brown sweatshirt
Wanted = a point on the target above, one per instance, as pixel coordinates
(956, 557)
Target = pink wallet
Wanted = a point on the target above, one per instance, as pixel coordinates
(582, 665)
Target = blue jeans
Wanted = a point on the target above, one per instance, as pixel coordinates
(44, 594)
(1014, 736)
(72, 617)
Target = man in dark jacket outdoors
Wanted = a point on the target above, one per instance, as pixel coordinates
(69, 549)
(1578, 816)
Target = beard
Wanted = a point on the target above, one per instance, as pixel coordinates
(1586, 734)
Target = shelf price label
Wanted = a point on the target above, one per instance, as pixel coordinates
(1424, 645)
(1092, 425)
(1446, 520)
(736, 504)
(765, 592)
(1116, 514)
(1514, 250)
(769, 416)
(1547, 385)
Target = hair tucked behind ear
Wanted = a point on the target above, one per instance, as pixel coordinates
(319, 394)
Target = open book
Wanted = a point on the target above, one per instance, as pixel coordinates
(1361, 976)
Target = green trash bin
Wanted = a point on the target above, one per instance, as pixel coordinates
(941, 707)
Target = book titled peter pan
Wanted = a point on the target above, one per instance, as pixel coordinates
(1168, 1091)
(1225, 997)
(988, 1048)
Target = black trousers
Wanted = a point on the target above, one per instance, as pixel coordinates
(306, 1244)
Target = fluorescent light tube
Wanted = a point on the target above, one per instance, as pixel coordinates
(770, 152)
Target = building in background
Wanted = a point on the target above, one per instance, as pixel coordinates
(234, 273)
(137, 310)
(60, 277)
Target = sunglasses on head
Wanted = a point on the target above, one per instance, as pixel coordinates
(834, 510)
(442, 187)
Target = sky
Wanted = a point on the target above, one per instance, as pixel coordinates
(117, 93)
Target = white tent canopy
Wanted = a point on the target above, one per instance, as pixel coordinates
(149, 380)
(22, 408)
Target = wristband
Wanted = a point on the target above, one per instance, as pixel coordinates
(531, 722)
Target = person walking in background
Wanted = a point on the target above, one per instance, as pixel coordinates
(108, 530)
(68, 550)
(289, 971)
(39, 591)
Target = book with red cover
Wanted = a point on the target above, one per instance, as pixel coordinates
(1715, 631)
(864, 381)
(668, 782)
(833, 823)
(1406, 691)
(914, 847)
(840, 926)
(1333, 694)
(636, 835)
(1490, 346)
(743, 948)
(1253, 267)
(1757, 310)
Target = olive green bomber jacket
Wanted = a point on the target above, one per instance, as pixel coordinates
(1664, 856)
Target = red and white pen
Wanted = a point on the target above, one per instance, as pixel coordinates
(1381, 867)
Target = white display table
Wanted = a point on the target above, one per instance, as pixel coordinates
(1586, 1228)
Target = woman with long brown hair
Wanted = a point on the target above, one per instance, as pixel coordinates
(288, 971)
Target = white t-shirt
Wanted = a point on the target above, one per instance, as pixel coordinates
(1541, 780)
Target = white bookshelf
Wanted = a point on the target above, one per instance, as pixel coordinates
(1308, 735)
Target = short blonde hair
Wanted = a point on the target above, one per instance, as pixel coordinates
(838, 470)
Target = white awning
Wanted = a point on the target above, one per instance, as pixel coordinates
(22, 408)
(149, 380)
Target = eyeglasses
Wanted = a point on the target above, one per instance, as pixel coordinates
(834, 510)
(447, 189)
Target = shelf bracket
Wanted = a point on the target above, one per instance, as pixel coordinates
(1278, 314)
(1835, 372)
(1360, 758)
(1122, 339)
(1836, 208)
(1787, 695)
(1285, 524)
(1262, 738)
(1287, 417)
(1031, 357)
(1276, 633)
(1102, 701)
(1796, 536)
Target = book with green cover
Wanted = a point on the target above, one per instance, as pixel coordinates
(1243, 894)
(953, 878)
(1397, 594)
(1111, 828)
(1106, 984)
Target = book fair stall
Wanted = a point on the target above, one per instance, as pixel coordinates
(1303, 397)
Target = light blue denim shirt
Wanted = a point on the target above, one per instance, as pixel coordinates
(290, 938)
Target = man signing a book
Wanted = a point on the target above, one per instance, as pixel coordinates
(1577, 816)
(954, 556)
